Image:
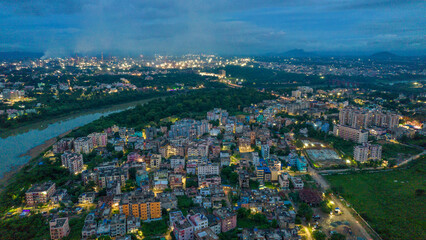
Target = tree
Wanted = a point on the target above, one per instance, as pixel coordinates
(305, 211)
(325, 208)
(337, 236)
(319, 235)
(419, 192)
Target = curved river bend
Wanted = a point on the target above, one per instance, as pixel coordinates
(17, 142)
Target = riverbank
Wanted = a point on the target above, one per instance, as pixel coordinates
(18, 150)
(33, 153)
(26, 126)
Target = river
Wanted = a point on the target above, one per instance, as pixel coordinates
(19, 141)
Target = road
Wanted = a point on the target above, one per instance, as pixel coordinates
(411, 159)
(358, 230)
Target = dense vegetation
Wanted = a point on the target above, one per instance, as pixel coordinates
(70, 103)
(24, 228)
(64, 102)
(192, 105)
(392, 202)
(246, 219)
(271, 79)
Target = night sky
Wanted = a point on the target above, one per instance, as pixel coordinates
(65, 27)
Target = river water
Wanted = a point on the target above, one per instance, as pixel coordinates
(19, 141)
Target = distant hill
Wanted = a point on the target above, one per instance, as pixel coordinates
(384, 55)
(296, 53)
(299, 53)
(19, 55)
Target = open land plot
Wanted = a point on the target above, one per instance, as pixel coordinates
(324, 157)
(392, 202)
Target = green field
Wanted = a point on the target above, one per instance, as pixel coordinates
(392, 150)
(388, 201)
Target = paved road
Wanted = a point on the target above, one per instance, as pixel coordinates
(357, 229)
(411, 159)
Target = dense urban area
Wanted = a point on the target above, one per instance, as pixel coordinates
(273, 148)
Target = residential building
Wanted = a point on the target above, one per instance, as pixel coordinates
(144, 206)
(87, 198)
(182, 229)
(297, 183)
(205, 234)
(284, 181)
(118, 225)
(83, 145)
(155, 160)
(72, 161)
(366, 152)
(65, 144)
(59, 228)
(90, 226)
(198, 221)
(177, 162)
(244, 179)
(98, 139)
(133, 224)
(349, 133)
(208, 169)
(40, 193)
(214, 223)
(227, 218)
(264, 151)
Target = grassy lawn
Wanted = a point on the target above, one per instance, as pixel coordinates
(388, 200)
(393, 150)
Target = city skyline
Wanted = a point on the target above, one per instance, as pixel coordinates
(221, 27)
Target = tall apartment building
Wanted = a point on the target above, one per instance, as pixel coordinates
(218, 114)
(264, 151)
(198, 221)
(349, 133)
(198, 150)
(83, 145)
(208, 169)
(143, 206)
(244, 179)
(363, 118)
(90, 226)
(99, 139)
(296, 94)
(284, 181)
(227, 218)
(72, 161)
(177, 162)
(59, 228)
(182, 229)
(40, 193)
(188, 128)
(155, 160)
(65, 144)
(105, 176)
(118, 225)
(366, 152)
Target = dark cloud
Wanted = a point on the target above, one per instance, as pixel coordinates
(226, 27)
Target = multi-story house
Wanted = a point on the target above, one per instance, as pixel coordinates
(208, 169)
(83, 145)
(143, 206)
(366, 152)
(198, 221)
(227, 218)
(72, 161)
(59, 228)
(118, 225)
(40, 193)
